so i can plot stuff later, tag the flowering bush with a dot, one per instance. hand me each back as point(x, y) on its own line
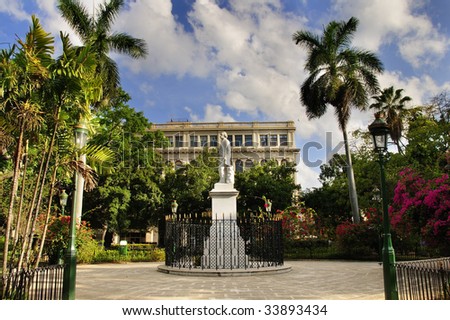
point(361, 240)
point(57, 239)
point(298, 222)
point(421, 208)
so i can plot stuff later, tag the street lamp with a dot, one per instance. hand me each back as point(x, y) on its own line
point(380, 131)
point(376, 195)
point(174, 207)
point(81, 133)
point(269, 206)
point(63, 200)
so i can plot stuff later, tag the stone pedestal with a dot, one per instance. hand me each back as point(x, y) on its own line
point(223, 198)
point(224, 248)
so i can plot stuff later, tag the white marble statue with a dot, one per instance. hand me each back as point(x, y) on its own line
point(226, 170)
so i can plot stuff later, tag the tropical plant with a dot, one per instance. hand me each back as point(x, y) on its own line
point(340, 76)
point(40, 99)
point(392, 104)
point(23, 72)
point(95, 33)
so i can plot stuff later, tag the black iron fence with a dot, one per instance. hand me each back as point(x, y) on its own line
point(224, 243)
point(424, 279)
point(44, 283)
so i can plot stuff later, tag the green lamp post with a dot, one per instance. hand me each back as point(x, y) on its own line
point(69, 278)
point(380, 131)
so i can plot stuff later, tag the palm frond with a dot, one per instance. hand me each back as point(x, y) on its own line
point(124, 43)
point(89, 175)
point(77, 16)
point(107, 13)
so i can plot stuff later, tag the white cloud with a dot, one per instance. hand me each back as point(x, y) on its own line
point(146, 87)
point(399, 22)
point(259, 70)
point(171, 49)
point(308, 177)
point(212, 113)
point(15, 9)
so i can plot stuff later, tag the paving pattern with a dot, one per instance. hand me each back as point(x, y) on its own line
point(308, 280)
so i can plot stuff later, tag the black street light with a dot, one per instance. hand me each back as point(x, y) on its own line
point(380, 132)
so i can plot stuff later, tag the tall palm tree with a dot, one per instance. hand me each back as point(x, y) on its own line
point(95, 31)
point(392, 104)
point(340, 76)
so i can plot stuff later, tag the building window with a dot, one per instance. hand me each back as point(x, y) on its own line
point(248, 164)
point(194, 141)
point(263, 162)
point(263, 140)
point(170, 141)
point(203, 141)
point(178, 141)
point(213, 141)
point(239, 166)
point(283, 140)
point(273, 140)
point(238, 140)
point(249, 140)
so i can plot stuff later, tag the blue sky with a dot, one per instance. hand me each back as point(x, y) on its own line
point(234, 60)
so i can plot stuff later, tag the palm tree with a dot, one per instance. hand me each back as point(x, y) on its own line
point(95, 32)
point(22, 73)
point(392, 104)
point(340, 76)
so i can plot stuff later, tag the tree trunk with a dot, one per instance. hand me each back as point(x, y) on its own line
point(14, 187)
point(351, 180)
point(47, 217)
point(42, 186)
point(27, 230)
point(22, 194)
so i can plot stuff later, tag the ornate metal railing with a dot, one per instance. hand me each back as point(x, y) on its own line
point(424, 279)
point(224, 243)
point(44, 283)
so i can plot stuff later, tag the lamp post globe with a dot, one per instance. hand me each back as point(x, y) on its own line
point(63, 200)
point(174, 208)
point(380, 133)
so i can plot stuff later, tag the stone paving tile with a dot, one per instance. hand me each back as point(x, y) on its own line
point(308, 280)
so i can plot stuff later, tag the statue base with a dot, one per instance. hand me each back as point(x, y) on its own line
point(223, 198)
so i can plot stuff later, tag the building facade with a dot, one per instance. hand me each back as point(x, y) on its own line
point(252, 142)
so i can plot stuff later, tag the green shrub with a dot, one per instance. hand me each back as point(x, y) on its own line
point(87, 251)
point(148, 254)
point(358, 241)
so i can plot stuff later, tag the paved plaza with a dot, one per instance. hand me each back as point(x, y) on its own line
point(308, 280)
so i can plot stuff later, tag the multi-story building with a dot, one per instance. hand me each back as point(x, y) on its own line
point(252, 142)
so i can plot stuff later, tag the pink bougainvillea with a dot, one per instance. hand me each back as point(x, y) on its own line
point(422, 207)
